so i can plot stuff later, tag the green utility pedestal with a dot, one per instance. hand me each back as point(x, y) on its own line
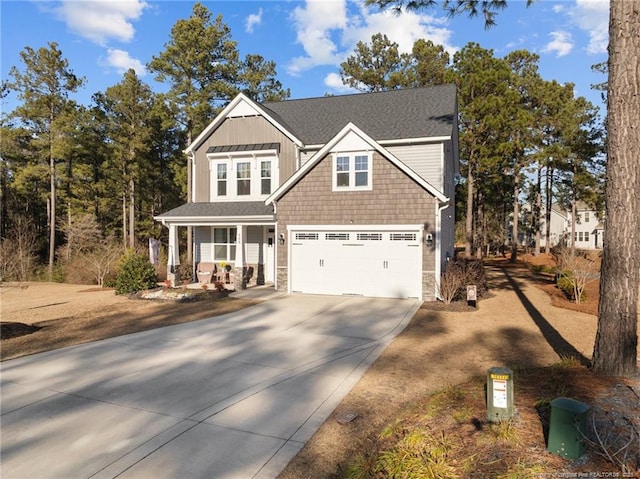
point(567, 427)
point(499, 394)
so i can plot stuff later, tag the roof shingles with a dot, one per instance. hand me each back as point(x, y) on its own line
point(388, 115)
point(229, 209)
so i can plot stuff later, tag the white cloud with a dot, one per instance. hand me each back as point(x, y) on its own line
point(561, 43)
point(315, 23)
point(253, 20)
point(333, 81)
point(402, 29)
point(329, 31)
point(592, 16)
point(122, 62)
point(101, 20)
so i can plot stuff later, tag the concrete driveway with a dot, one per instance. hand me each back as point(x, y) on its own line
point(235, 396)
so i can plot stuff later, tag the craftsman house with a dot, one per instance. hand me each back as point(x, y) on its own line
point(339, 195)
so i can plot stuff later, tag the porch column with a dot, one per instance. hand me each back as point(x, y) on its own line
point(173, 254)
point(239, 263)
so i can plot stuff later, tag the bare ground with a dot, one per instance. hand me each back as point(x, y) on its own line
point(39, 317)
point(518, 327)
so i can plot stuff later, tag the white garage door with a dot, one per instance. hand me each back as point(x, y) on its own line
point(384, 264)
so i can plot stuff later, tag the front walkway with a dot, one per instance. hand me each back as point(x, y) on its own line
point(234, 396)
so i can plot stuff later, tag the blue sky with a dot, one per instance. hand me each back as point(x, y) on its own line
point(307, 39)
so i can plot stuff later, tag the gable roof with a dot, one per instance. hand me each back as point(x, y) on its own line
point(239, 100)
point(320, 154)
point(427, 112)
point(388, 115)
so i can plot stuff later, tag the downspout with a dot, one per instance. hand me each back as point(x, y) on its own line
point(441, 208)
point(275, 245)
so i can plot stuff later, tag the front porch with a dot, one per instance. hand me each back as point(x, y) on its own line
point(233, 243)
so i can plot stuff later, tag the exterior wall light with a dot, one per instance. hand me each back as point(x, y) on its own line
point(428, 239)
point(281, 238)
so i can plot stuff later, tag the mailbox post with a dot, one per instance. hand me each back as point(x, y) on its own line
point(499, 394)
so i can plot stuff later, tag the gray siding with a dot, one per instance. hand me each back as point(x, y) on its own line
point(203, 244)
point(240, 131)
point(425, 159)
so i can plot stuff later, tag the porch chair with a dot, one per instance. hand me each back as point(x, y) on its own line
point(206, 272)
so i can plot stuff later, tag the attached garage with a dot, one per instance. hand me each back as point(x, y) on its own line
point(365, 262)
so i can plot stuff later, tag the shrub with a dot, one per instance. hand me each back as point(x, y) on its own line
point(460, 273)
point(577, 271)
point(135, 273)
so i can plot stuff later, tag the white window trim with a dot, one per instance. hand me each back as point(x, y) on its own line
point(228, 244)
point(232, 161)
point(352, 171)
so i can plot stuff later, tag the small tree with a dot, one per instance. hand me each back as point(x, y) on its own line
point(576, 271)
point(18, 252)
point(102, 259)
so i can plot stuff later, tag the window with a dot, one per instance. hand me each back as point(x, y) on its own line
point(307, 236)
point(352, 172)
point(265, 177)
point(362, 170)
point(224, 244)
point(402, 236)
point(222, 179)
point(369, 236)
point(342, 171)
point(337, 236)
point(243, 175)
point(586, 216)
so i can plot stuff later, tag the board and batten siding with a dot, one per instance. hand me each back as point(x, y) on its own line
point(242, 131)
point(425, 159)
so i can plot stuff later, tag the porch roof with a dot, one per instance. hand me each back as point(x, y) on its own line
point(219, 212)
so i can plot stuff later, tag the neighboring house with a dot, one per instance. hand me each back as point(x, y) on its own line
point(589, 229)
point(557, 228)
point(336, 195)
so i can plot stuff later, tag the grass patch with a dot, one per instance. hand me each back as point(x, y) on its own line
point(447, 435)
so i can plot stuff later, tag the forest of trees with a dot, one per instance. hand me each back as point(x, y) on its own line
point(78, 178)
point(102, 171)
point(522, 138)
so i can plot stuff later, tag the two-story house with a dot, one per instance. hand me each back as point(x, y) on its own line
point(588, 231)
point(335, 195)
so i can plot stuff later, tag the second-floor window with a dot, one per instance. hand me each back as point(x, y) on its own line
point(265, 177)
point(352, 171)
point(222, 179)
point(245, 178)
point(243, 175)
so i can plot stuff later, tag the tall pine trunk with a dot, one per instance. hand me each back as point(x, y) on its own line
point(616, 347)
point(516, 215)
point(52, 207)
point(537, 210)
point(468, 247)
point(548, 206)
point(132, 214)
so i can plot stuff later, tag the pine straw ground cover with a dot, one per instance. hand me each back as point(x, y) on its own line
point(446, 435)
